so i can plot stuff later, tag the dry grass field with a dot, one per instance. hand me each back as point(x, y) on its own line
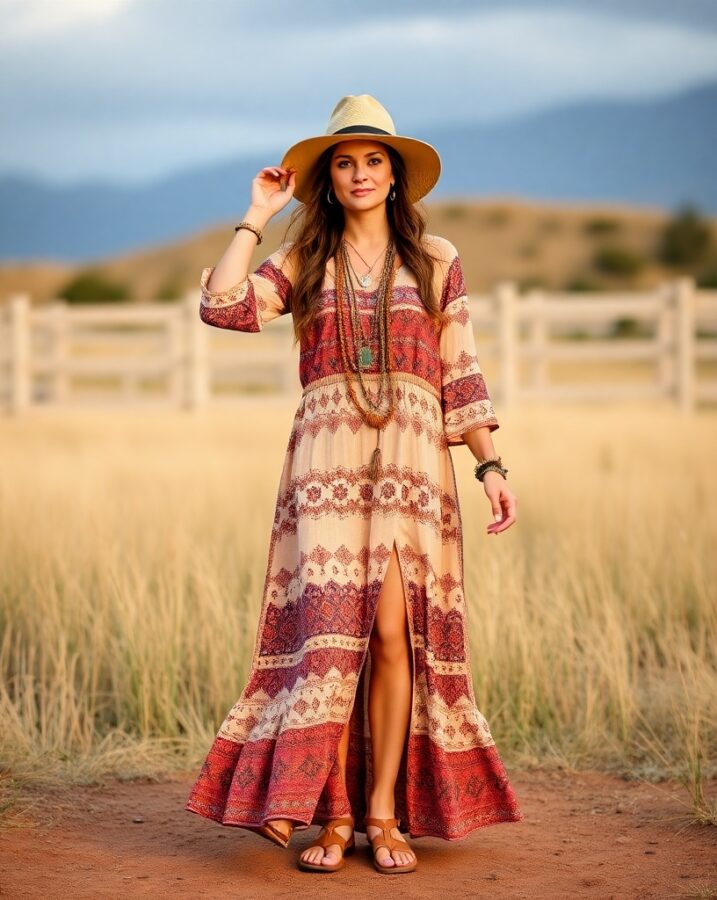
point(133, 547)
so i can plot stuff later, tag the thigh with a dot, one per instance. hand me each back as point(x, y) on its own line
point(391, 623)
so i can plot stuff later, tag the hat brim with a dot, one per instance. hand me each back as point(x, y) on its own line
point(423, 164)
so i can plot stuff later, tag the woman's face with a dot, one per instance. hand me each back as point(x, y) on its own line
point(361, 165)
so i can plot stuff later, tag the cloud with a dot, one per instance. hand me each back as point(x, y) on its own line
point(22, 21)
point(142, 88)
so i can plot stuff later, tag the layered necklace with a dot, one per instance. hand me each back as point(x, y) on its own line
point(356, 350)
point(365, 279)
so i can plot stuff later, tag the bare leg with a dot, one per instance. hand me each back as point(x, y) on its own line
point(389, 704)
point(332, 853)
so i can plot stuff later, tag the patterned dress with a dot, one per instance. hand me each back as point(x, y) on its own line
point(275, 754)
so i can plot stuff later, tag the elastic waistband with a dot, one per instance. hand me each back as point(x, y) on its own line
point(405, 377)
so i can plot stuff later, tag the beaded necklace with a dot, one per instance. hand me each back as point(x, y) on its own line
point(358, 359)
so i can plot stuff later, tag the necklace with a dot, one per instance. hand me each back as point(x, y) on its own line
point(364, 279)
point(364, 353)
point(371, 415)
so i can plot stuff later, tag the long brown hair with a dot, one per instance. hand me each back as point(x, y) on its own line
point(321, 225)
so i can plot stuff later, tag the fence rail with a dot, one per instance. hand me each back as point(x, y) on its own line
point(163, 353)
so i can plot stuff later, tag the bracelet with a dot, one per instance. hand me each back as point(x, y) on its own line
point(250, 227)
point(492, 468)
point(489, 465)
point(486, 465)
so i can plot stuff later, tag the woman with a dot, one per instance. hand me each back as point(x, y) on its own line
point(363, 597)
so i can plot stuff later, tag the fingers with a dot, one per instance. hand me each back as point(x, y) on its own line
point(504, 507)
point(272, 174)
point(275, 171)
point(290, 182)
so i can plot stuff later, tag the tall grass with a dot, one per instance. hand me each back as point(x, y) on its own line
point(133, 548)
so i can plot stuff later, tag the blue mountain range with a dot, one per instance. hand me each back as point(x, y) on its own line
point(657, 152)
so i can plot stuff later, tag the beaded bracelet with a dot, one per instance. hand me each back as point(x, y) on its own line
point(250, 227)
point(489, 465)
point(484, 465)
point(491, 469)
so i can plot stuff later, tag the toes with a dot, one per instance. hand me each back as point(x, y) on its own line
point(327, 855)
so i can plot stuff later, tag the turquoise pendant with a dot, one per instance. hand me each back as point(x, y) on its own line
point(365, 356)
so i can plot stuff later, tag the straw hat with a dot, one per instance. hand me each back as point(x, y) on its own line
point(361, 117)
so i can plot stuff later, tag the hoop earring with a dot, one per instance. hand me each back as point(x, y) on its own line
point(328, 196)
point(392, 194)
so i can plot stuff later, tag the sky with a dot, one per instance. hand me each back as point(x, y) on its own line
point(131, 90)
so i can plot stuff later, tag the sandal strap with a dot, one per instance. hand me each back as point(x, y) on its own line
point(342, 820)
point(381, 823)
point(331, 836)
point(282, 835)
point(386, 839)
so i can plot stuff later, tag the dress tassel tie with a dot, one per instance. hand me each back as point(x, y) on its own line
point(374, 467)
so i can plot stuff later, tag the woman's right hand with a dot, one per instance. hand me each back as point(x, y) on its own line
point(266, 192)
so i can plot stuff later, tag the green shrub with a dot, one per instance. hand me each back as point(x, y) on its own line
point(576, 334)
point(618, 260)
point(707, 276)
point(497, 215)
point(531, 281)
point(455, 211)
point(581, 283)
point(170, 289)
point(626, 328)
point(686, 239)
point(93, 287)
point(601, 225)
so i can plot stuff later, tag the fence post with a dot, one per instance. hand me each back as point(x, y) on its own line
point(197, 374)
point(685, 343)
point(666, 336)
point(506, 298)
point(19, 333)
point(58, 326)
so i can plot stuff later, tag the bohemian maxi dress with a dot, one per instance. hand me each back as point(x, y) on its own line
point(275, 754)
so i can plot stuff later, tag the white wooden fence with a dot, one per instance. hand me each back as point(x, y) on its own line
point(163, 353)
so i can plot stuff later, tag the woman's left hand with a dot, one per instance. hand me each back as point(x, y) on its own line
point(503, 502)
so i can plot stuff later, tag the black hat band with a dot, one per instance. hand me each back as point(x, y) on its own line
point(349, 129)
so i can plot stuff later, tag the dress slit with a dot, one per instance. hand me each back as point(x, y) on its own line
point(359, 767)
point(359, 775)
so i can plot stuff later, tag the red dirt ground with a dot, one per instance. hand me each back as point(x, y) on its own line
point(584, 835)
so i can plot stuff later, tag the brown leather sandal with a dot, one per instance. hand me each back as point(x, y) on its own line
point(275, 835)
point(331, 836)
point(386, 839)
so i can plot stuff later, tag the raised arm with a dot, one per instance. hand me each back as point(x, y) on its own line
point(254, 300)
point(231, 296)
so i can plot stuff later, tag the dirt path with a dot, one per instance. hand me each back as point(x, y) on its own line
point(584, 835)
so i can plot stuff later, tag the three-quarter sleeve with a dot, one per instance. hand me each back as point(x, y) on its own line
point(248, 305)
point(465, 401)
